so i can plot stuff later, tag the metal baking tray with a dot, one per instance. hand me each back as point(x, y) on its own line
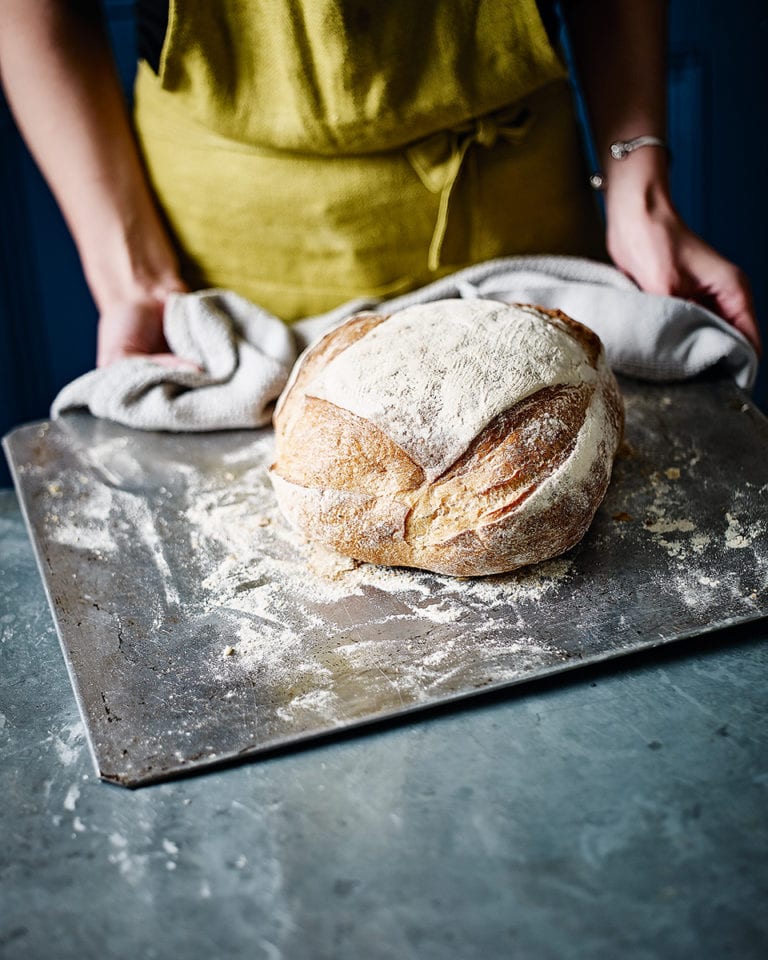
point(197, 628)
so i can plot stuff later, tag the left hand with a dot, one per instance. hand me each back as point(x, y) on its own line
point(133, 327)
point(652, 245)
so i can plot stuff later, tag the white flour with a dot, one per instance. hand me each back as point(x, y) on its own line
point(433, 404)
point(307, 628)
point(678, 535)
point(697, 568)
point(308, 618)
point(740, 534)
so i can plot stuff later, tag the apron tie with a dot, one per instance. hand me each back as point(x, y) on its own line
point(438, 159)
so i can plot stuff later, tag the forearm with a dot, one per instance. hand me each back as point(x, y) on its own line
point(60, 81)
point(620, 51)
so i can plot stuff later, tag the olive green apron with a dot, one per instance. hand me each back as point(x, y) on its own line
point(308, 152)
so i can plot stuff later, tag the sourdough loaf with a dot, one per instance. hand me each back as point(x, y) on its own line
point(465, 437)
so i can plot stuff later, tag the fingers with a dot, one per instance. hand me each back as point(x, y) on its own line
point(724, 288)
point(734, 303)
point(171, 361)
point(134, 328)
point(665, 257)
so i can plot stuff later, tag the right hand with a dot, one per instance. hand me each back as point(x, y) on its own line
point(134, 328)
point(664, 256)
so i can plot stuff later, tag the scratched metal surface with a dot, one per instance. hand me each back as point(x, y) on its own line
point(197, 629)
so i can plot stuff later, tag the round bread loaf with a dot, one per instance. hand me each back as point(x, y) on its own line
point(465, 437)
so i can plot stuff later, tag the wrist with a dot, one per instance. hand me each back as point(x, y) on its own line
point(639, 183)
point(134, 262)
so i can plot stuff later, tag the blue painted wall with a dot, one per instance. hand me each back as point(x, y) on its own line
point(718, 84)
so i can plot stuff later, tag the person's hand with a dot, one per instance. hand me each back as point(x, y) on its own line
point(135, 328)
point(652, 245)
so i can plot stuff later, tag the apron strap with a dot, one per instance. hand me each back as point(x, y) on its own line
point(438, 159)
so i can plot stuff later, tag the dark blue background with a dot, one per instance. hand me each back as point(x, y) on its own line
point(717, 94)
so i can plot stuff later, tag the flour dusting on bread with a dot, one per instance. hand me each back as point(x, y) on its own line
point(436, 374)
point(463, 437)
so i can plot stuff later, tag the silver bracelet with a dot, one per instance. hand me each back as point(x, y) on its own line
point(621, 149)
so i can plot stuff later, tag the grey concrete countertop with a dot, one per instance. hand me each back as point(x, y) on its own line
point(614, 812)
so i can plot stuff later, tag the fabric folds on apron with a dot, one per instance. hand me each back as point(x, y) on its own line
point(439, 158)
point(321, 203)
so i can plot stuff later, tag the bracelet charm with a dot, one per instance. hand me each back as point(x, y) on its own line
point(621, 149)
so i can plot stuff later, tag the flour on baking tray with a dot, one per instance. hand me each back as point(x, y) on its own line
point(311, 616)
point(668, 522)
point(318, 573)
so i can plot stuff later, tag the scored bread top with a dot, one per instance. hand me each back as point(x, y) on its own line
point(523, 487)
point(435, 375)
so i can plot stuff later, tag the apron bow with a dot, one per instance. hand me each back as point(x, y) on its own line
point(438, 158)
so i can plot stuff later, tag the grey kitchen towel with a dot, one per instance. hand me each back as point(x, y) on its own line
point(245, 354)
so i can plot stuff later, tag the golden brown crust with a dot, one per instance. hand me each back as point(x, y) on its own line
point(319, 355)
point(334, 449)
point(504, 464)
point(587, 339)
point(506, 502)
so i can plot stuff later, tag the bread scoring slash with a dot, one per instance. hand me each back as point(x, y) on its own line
point(466, 437)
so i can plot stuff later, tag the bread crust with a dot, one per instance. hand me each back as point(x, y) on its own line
point(525, 490)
